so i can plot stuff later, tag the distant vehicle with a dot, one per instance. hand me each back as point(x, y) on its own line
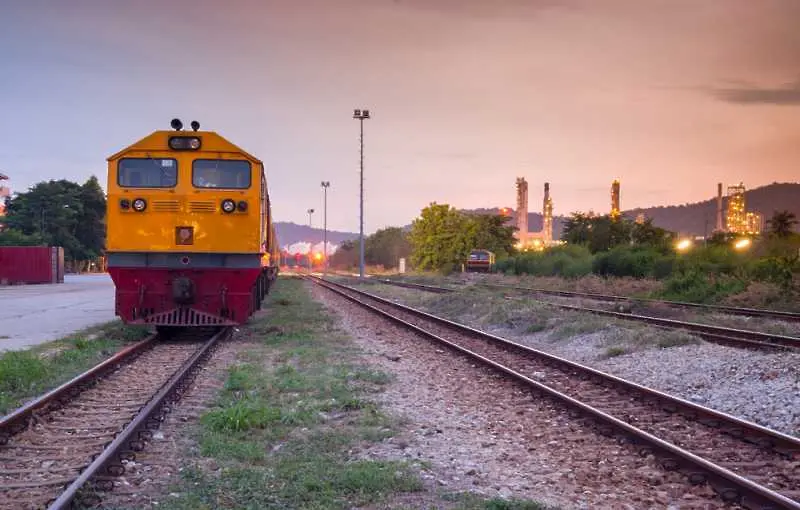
point(480, 261)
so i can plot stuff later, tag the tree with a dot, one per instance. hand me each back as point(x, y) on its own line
point(577, 229)
point(62, 213)
point(442, 237)
point(10, 237)
point(647, 234)
point(490, 232)
point(782, 223)
point(386, 246)
point(436, 237)
point(345, 256)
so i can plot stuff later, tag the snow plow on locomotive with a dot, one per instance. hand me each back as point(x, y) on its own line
point(190, 236)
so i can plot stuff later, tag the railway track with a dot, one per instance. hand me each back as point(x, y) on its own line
point(731, 310)
point(718, 334)
point(745, 463)
point(62, 447)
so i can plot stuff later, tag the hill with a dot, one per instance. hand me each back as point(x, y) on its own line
point(700, 217)
point(290, 233)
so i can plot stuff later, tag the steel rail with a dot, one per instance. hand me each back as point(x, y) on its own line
point(18, 420)
point(419, 286)
point(729, 485)
point(732, 310)
point(139, 429)
point(718, 334)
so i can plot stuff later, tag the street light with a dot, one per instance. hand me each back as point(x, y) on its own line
point(683, 245)
point(361, 115)
point(310, 243)
point(742, 244)
point(325, 185)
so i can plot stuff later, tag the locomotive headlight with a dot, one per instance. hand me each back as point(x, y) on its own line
point(228, 205)
point(184, 143)
point(242, 205)
point(139, 205)
point(124, 204)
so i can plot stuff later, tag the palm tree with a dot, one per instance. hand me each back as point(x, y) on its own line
point(782, 223)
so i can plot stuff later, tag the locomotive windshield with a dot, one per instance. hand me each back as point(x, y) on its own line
point(221, 173)
point(147, 173)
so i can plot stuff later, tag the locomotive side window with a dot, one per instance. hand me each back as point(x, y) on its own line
point(221, 173)
point(147, 173)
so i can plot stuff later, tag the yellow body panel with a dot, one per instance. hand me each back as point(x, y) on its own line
point(184, 205)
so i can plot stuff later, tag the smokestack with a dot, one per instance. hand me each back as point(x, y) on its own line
point(719, 228)
point(522, 210)
point(615, 212)
point(547, 215)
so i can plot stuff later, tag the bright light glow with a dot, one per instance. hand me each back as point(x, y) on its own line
point(683, 244)
point(742, 244)
point(318, 256)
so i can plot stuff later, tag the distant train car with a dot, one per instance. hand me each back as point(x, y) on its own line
point(480, 261)
point(190, 235)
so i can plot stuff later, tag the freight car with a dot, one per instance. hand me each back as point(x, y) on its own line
point(190, 235)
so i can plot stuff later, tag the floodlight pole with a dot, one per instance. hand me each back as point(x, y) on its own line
point(325, 185)
point(310, 243)
point(361, 115)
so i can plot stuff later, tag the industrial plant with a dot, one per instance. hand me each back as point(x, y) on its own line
point(525, 238)
point(737, 218)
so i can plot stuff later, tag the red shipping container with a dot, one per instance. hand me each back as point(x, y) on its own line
point(31, 264)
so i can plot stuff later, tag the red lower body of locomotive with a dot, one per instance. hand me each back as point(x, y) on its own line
point(170, 297)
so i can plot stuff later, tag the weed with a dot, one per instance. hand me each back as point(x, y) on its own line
point(579, 325)
point(616, 351)
point(536, 327)
point(24, 374)
point(242, 415)
point(675, 339)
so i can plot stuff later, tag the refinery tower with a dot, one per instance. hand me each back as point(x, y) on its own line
point(526, 239)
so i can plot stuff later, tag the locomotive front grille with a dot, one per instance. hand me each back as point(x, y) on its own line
point(201, 207)
point(166, 205)
point(183, 316)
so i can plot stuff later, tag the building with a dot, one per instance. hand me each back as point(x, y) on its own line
point(736, 217)
point(755, 223)
point(5, 192)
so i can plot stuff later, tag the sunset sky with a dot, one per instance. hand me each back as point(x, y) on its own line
point(670, 97)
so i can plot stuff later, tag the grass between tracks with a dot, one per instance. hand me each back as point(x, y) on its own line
point(29, 373)
point(291, 425)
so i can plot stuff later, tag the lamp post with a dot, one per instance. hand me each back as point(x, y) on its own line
point(310, 243)
point(325, 185)
point(361, 115)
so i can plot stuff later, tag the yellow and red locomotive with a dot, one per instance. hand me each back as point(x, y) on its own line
point(190, 235)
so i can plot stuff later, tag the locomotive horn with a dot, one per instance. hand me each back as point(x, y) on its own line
point(195, 125)
point(176, 124)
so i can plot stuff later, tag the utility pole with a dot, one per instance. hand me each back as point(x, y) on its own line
point(361, 115)
point(310, 243)
point(325, 185)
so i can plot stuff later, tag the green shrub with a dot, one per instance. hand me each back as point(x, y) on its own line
point(699, 287)
point(242, 415)
point(569, 261)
